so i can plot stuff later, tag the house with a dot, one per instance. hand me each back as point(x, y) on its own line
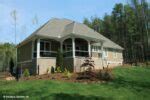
point(76, 40)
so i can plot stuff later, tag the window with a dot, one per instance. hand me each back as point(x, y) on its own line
point(96, 48)
point(99, 55)
point(105, 52)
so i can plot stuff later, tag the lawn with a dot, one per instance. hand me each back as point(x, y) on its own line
point(129, 83)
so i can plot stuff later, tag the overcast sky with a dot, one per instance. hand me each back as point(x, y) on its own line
point(44, 10)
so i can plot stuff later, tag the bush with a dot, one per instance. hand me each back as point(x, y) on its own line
point(47, 71)
point(11, 66)
point(59, 59)
point(58, 70)
point(105, 74)
point(52, 70)
point(88, 62)
point(26, 73)
point(67, 73)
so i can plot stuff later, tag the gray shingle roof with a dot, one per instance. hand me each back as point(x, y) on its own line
point(62, 27)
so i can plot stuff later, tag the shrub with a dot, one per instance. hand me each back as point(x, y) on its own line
point(58, 70)
point(59, 58)
point(52, 70)
point(105, 74)
point(67, 73)
point(88, 62)
point(26, 73)
point(11, 66)
point(47, 71)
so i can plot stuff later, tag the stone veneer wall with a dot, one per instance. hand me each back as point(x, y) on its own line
point(109, 61)
point(44, 64)
point(78, 61)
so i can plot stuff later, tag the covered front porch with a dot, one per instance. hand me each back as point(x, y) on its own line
point(74, 50)
point(70, 47)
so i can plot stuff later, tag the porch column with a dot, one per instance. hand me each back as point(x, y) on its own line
point(89, 48)
point(102, 50)
point(73, 47)
point(38, 49)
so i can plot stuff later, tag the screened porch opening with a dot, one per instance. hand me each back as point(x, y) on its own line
point(67, 48)
point(81, 48)
point(48, 48)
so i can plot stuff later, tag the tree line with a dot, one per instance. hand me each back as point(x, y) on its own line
point(129, 26)
point(7, 56)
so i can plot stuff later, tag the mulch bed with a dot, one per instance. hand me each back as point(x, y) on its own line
point(76, 78)
point(82, 77)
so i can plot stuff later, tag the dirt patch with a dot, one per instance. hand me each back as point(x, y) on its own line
point(6, 76)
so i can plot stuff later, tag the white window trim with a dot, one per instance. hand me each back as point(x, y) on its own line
point(96, 49)
point(105, 53)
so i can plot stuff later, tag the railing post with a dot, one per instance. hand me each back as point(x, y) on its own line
point(89, 48)
point(38, 48)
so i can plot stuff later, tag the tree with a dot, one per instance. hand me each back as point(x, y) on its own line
point(11, 66)
point(59, 59)
point(96, 23)
point(87, 22)
point(7, 52)
point(128, 26)
point(107, 27)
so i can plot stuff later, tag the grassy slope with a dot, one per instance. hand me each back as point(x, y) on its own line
point(129, 83)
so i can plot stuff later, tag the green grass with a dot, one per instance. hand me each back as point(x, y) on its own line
point(129, 84)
